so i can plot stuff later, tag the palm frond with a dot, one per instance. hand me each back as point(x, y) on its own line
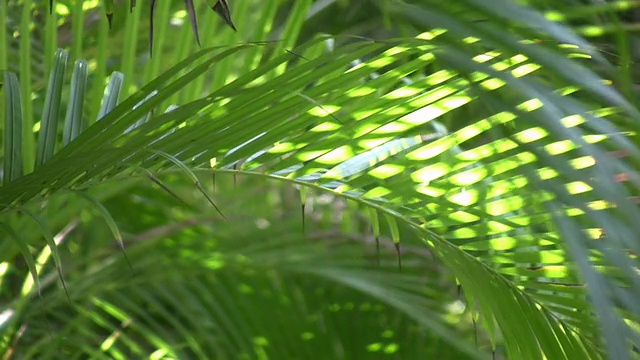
point(488, 143)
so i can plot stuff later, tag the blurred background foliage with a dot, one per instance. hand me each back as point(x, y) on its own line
point(335, 179)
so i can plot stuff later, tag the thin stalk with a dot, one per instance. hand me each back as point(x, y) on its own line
point(50, 39)
point(77, 27)
point(28, 139)
point(129, 54)
point(100, 73)
point(4, 48)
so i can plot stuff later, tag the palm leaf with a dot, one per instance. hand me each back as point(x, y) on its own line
point(492, 150)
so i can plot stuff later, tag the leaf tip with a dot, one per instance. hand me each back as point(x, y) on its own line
point(110, 19)
point(302, 209)
point(222, 9)
point(397, 245)
point(378, 250)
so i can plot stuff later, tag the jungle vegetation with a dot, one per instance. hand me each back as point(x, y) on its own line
point(329, 179)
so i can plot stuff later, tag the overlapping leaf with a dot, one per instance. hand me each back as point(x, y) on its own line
point(494, 149)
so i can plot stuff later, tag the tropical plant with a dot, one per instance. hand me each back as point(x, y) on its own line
point(458, 183)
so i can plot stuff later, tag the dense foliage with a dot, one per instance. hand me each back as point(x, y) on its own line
point(319, 179)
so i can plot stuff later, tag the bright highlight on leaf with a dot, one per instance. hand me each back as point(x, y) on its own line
point(578, 187)
point(464, 197)
point(361, 91)
point(336, 156)
point(504, 206)
point(326, 110)
point(469, 177)
point(430, 35)
point(386, 171)
point(524, 70)
point(531, 135)
point(427, 174)
point(463, 217)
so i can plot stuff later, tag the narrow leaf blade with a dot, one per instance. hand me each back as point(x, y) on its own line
point(13, 128)
point(49, 123)
point(73, 122)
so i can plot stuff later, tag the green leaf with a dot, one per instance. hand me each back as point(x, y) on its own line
point(52, 244)
point(48, 134)
point(26, 255)
point(500, 143)
point(111, 94)
point(222, 9)
point(189, 172)
point(12, 128)
point(73, 124)
point(110, 222)
point(191, 12)
point(108, 6)
point(395, 236)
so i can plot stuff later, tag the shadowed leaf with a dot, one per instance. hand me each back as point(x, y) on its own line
point(12, 129)
point(189, 172)
point(222, 9)
point(26, 254)
point(303, 204)
point(49, 124)
point(53, 247)
point(73, 124)
point(191, 12)
point(108, 8)
point(106, 215)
